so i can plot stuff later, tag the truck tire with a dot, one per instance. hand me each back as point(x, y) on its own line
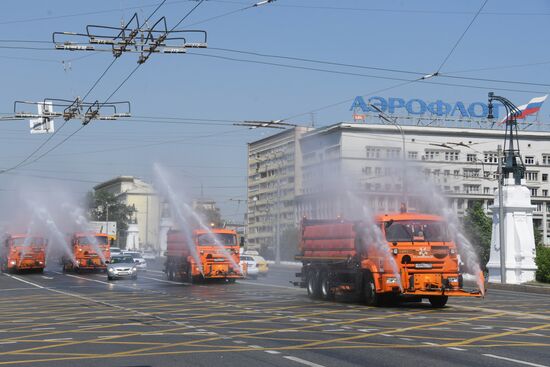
point(326, 292)
point(438, 301)
point(313, 285)
point(370, 297)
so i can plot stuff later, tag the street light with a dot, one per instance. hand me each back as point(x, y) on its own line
point(393, 121)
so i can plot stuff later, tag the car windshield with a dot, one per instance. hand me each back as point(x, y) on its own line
point(417, 231)
point(135, 255)
point(122, 260)
point(92, 240)
point(28, 241)
point(226, 239)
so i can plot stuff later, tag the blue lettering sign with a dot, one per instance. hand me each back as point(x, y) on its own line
point(420, 110)
point(419, 107)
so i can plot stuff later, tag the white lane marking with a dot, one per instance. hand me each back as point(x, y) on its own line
point(272, 352)
point(535, 334)
point(57, 340)
point(455, 348)
point(482, 327)
point(14, 289)
point(406, 339)
point(366, 330)
point(42, 328)
point(515, 360)
point(255, 346)
point(388, 335)
point(24, 281)
point(333, 330)
point(428, 343)
point(269, 285)
point(165, 281)
point(303, 361)
point(238, 342)
point(89, 279)
point(520, 315)
point(45, 277)
point(8, 342)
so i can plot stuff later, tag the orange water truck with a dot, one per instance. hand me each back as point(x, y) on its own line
point(397, 256)
point(90, 252)
point(22, 252)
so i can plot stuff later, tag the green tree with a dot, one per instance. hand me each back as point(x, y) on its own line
point(478, 227)
point(102, 202)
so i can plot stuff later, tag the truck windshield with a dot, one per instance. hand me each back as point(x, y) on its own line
point(417, 231)
point(26, 241)
point(92, 240)
point(226, 239)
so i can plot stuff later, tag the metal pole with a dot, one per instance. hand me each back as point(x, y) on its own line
point(501, 239)
point(278, 219)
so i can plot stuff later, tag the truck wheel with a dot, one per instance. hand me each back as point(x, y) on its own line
point(326, 292)
point(438, 301)
point(371, 298)
point(313, 286)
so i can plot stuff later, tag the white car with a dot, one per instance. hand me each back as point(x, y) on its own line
point(252, 270)
point(115, 250)
point(149, 255)
point(141, 263)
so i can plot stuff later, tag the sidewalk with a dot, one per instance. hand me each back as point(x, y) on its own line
point(538, 288)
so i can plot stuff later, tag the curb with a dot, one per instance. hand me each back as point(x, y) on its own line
point(519, 288)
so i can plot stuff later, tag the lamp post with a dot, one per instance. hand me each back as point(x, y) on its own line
point(393, 121)
point(512, 163)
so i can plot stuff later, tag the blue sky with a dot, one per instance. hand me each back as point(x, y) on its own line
point(508, 41)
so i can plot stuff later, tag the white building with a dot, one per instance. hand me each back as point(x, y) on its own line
point(274, 180)
point(365, 160)
point(140, 194)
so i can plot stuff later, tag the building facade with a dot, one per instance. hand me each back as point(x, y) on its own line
point(345, 164)
point(274, 181)
point(135, 192)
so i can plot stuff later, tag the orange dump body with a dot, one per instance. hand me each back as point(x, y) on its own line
point(406, 253)
point(90, 251)
point(196, 255)
point(23, 252)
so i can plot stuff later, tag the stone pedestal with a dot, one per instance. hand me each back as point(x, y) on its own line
point(519, 238)
point(132, 237)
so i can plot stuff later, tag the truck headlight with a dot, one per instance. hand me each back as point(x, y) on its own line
point(391, 280)
point(395, 251)
point(13, 262)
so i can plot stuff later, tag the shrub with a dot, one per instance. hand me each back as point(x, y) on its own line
point(543, 263)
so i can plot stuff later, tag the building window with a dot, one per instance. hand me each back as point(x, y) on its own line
point(367, 170)
point(471, 189)
point(532, 176)
point(451, 156)
point(373, 152)
point(545, 193)
point(471, 172)
point(486, 190)
point(456, 189)
point(368, 186)
point(456, 173)
point(446, 173)
point(529, 159)
point(378, 171)
point(546, 159)
point(447, 188)
point(545, 177)
point(490, 157)
point(413, 155)
point(534, 191)
point(392, 153)
point(471, 157)
point(436, 172)
point(432, 155)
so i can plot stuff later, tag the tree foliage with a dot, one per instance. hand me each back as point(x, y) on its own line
point(478, 227)
point(101, 202)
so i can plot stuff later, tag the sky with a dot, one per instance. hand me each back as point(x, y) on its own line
point(184, 105)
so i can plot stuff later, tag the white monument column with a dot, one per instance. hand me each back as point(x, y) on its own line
point(132, 234)
point(519, 239)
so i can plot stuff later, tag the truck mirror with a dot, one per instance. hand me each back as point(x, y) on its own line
point(241, 244)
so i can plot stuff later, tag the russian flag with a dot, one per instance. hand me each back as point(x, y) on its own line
point(531, 108)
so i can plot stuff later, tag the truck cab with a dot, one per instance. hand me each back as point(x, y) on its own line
point(91, 251)
point(21, 252)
